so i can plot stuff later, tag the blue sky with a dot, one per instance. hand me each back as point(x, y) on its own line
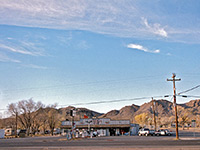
point(68, 52)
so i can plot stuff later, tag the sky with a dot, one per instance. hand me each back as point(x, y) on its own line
point(76, 51)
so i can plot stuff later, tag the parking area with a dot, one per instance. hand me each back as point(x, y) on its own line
point(187, 141)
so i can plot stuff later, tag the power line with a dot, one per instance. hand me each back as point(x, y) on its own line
point(112, 101)
point(78, 84)
point(189, 89)
point(195, 96)
point(44, 94)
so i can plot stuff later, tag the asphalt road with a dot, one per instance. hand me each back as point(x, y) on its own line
point(187, 142)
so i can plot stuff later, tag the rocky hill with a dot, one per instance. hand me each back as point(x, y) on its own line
point(80, 113)
point(164, 111)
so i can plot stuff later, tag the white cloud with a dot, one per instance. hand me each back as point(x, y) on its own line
point(21, 48)
point(109, 17)
point(34, 66)
point(16, 50)
point(5, 58)
point(141, 48)
point(155, 28)
point(114, 17)
point(83, 45)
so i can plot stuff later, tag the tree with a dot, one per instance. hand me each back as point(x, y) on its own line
point(14, 110)
point(1, 125)
point(142, 119)
point(27, 112)
point(183, 120)
point(43, 119)
point(53, 117)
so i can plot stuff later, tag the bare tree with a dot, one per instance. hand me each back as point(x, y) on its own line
point(1, 125)
point(42, 119)
point(52, 117)
point(27, 112)
point(14, 110)
point(44, 122)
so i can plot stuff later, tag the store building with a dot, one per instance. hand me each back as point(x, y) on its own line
point(104, 126)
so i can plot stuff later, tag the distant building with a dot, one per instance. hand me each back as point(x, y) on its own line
point(105, 126)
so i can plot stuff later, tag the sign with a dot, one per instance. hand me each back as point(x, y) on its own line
point(72, 112)
point(102, 121)
point(193, 123)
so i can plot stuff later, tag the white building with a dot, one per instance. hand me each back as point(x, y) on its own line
point(104, 126)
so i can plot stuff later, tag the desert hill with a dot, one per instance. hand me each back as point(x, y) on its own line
point(80, 113)
point(164, 111)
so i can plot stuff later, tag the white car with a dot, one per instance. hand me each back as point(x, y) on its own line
point(163, 132)
point(146, 132)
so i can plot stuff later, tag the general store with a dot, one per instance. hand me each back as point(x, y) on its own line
point(104, 126)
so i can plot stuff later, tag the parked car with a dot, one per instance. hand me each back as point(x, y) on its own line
point(47, 132)
point(163, 132)
point(168, 132)
point(146, 132)
point(22, 133)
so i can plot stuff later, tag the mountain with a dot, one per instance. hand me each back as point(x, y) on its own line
point(80, 113)
point(164, 111)
point(192, 104)
point(110, 114)
point(126, 112)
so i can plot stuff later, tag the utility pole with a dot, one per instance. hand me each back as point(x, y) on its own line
point(72, 130)
point(72, 114)
point(175, 106)
point(16, 124)
point(154, 114)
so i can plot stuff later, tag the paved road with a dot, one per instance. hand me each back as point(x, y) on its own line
point(188, 133)
point(120, 142)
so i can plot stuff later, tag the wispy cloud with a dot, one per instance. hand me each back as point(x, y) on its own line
point(34, 66)
point(5, 58)
point(2, 46)
point(141, 48)
point(21, 46)
point(155, 28)
point(83, 45)
point(15, 48)
point(107, 17)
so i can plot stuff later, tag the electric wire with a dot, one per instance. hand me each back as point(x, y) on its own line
point(110, 101)
point(189, 90)
point(80, 84)
point(195, 96)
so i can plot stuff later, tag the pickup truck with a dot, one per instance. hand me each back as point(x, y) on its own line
point(146, 132)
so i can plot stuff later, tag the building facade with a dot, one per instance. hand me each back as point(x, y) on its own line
point(104, 126)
